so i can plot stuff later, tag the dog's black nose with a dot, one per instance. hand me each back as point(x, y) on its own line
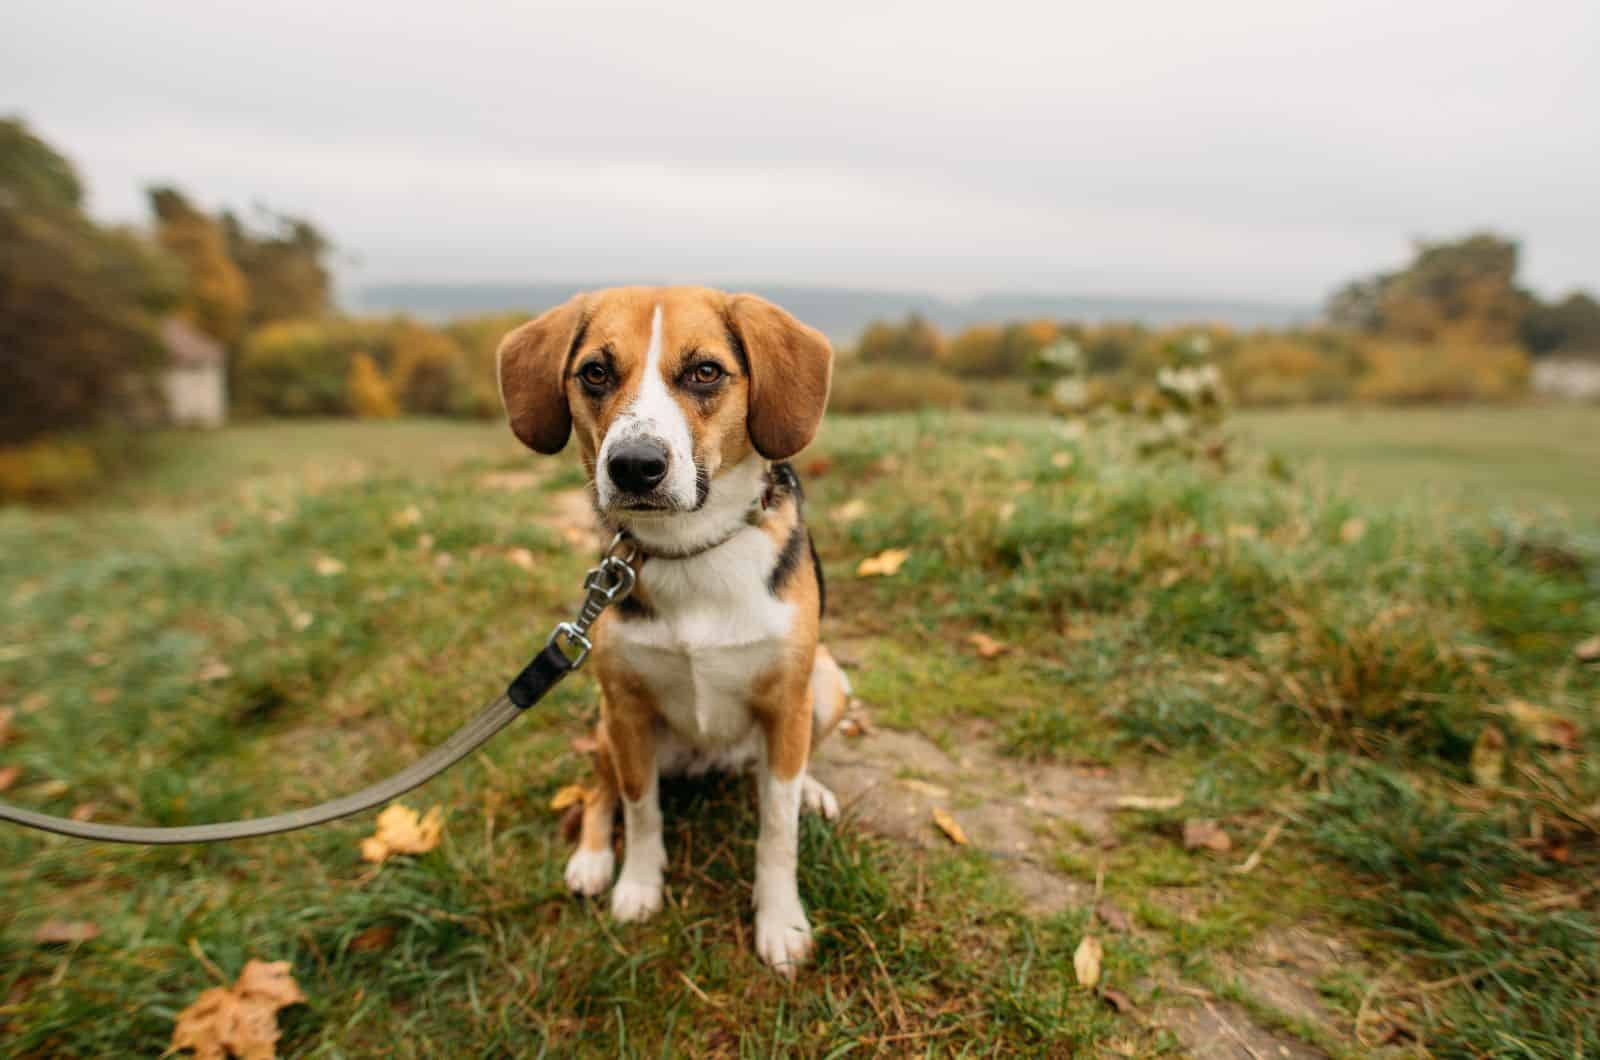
point(637, 467)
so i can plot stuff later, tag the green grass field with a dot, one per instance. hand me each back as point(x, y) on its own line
point(1364, 674)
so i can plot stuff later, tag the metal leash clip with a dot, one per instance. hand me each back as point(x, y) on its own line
point(603, 586)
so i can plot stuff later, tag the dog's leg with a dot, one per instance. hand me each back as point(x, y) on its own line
point(830, 694)
point(783, 934)
point(592, 865)
point(637, 894)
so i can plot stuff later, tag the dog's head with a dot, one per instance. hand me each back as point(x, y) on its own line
point(666, 388)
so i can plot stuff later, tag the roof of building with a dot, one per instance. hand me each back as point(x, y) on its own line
point(189, 347)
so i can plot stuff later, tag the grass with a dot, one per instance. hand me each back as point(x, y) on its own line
point(1286, 654)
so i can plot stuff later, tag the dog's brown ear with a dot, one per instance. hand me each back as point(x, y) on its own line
point(532, 363)
point(791, 366)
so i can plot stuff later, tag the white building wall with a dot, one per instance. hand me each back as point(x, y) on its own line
point(197, 397)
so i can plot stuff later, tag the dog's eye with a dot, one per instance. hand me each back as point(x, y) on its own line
point(594, 374)
point(706, 373)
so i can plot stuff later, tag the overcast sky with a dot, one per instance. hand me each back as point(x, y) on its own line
point(1247, 148)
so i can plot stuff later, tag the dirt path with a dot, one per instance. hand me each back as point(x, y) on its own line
point(1021, 815)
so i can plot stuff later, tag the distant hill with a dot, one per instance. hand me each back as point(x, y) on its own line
point(842, 313)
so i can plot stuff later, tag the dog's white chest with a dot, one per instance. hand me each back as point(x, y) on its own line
point(716, 629)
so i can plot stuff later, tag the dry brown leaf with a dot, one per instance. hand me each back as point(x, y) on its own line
point(585, 744)
point(922, 787)
point(1170, 577)
point(63, 932)
point(949, 827)
point(84, 811)
point(380, 937)
point(818, 466)
point(1352, 530)
point(401, 832)
point(987, 646)
point(408, 516)
point(883, 564)
point(7, 732)
point(571, 795)
point(1589, 650)
point(241, 1020)
point(1545, 726)
point(1205, 833)
point(1488, 761)
point(1062, 458)
point(327, 566)
point(1148, 802)
point(850, 510)
point(1086, 960)
point(8, 776)
point(1112, 916)
point(520, 557)
point(852, 728)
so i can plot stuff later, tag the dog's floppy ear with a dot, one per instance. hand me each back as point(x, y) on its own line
point(790, 368)
point(532, 365)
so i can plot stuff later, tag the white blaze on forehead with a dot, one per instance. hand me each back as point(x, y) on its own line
point(654, 416)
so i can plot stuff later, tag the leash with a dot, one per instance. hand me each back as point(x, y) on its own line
point(565, 651)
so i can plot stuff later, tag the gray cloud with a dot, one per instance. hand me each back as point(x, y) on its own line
point(1233, 148)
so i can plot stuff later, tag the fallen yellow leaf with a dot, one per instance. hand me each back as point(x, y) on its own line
point(520, 557)
point(987, 646)
point(241, 1020)
point(327, 566)
point(1352, 531)
point(1061, 458)
point(850, 510)
point(1589, 650)
point(571, 795)
point(7, 733)
point(8, 776)
point(1086, 960)
point(883, 564)
point(949, 827)
point(1148, 802)
point(1488, 761)
point(400, 832)
point(1545, 726)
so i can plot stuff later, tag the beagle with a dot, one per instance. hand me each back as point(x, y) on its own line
point(685, 402)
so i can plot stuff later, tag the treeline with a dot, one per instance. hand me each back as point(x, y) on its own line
point(1453, 325)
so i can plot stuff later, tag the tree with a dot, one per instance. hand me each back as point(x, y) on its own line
point(282, 265)
point(1463, 290)
point(218, 299)
point(368, 391)
point(914, 342)
point(79, 304)
point(1571, 325)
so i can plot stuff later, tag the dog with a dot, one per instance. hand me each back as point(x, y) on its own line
point(686, 403)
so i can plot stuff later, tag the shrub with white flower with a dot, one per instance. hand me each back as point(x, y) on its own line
point(1191, 403)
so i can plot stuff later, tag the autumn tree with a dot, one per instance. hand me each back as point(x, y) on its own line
point(1465, 290)
point(283, 265)
point(915, 341)
point(218, 297)
point(1570, 326)
point(79, 304)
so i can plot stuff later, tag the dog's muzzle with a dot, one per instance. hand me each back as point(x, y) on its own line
point(636, 468)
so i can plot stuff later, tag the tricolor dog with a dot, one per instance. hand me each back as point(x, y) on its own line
point(685, 402)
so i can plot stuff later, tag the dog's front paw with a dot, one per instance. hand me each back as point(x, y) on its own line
point(589, 871)
point(635, 899)
point(816, 798)
point(783, 935)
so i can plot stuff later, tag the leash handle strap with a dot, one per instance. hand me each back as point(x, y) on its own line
point(604, 585)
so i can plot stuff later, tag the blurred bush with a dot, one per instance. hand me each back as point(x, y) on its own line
point(367, 391)
point(914, 342)
point(1288, 368)
point(46, 469)
point(1451, 370)
point(887, 388)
